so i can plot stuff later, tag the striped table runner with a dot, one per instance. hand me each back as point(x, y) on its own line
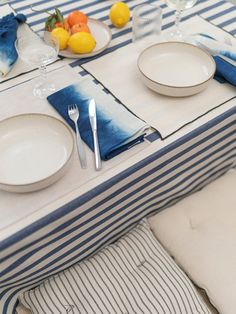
point(87, 222)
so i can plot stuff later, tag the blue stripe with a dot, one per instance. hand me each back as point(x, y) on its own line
point(90, 14)
point(226, 23)
point(153, 136)
point(215, 16)
point(64, 210)
point(137, 218)
point(122, 209)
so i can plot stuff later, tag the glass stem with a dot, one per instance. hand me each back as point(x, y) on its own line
point(178, 15)
point(43, 72)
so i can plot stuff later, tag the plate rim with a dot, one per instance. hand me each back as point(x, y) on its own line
point(58, 170)
point(178, 43)
point(91, 54)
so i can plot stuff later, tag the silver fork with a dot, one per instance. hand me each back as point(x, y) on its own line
point(73, 113)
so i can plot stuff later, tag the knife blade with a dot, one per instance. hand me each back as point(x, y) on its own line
point(92, 114)
point(93, 123)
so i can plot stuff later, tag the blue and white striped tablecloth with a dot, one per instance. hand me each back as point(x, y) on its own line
point(87, 222)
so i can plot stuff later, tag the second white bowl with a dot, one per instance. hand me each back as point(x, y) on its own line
point(176, 69)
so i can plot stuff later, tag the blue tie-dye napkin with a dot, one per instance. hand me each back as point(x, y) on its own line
point(8, 34)
point(225, 71)
point(118, 128)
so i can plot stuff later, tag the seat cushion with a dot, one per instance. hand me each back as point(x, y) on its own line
point(200, 233)
point(133, 275)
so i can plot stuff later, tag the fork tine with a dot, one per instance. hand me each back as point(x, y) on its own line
point(71, 108)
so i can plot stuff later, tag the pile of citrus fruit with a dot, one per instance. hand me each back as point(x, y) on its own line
point(72, 32)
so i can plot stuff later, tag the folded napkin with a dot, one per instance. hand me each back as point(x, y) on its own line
point(225, 70)
point(118, 128)
point(8, 34)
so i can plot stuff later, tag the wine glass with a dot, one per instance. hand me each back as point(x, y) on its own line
point(39, 52)
point(179, 6)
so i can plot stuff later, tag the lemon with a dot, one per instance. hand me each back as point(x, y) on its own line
point(61, 35)
point(119, 14)
point(82, 42)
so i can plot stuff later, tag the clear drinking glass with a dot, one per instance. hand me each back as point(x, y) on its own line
point(179, 6)
point(146, 25)
point(39, 52)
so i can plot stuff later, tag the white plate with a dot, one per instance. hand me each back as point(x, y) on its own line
point(35, 152)
point(102, 34)
point(176, 69)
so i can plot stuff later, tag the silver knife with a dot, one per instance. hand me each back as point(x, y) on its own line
point(93, 123)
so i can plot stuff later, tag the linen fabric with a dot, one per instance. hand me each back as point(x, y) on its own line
point(118, 129)
point(199, 232)
point(133, 275)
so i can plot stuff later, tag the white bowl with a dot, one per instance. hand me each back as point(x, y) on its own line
point(35, 152)
point(176, 69)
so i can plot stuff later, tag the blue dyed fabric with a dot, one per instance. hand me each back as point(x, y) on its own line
point(118, 128)
point(225, 71)
point(8, 34)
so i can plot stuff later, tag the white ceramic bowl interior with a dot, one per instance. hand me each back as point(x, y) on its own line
point(176, 69)
point(35, 152)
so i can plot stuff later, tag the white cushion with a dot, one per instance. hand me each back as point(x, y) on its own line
point(134, 275)
point(200, 233)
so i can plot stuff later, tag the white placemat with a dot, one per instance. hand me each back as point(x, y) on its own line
point(118, 72)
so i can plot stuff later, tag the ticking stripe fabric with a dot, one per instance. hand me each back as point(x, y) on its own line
point(85, 224)
point(134, 275)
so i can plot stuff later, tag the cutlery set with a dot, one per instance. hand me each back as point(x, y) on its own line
point(73, 113)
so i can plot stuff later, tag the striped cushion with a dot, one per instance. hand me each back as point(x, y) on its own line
point(133, 275)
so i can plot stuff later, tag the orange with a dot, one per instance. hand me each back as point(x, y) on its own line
point(81, 27)
point(77, 17)
point(64, 25)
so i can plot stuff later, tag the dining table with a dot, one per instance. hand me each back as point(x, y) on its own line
point(46, 231)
